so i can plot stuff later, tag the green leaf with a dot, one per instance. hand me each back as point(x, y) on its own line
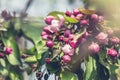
point(16, 75)
point(3, 63)
point(32, 31)
point(2, 28)
point(14, 58)
point(66, 75)
point(31, 51)
point(55, 13)
point(41, 48)
point(71, 20)
point(31, 59)
point(91, 69)
point(4, 70)
point(53, 67)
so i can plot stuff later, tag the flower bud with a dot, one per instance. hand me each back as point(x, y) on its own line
point(84, 22)
point(71, 36)
point(67, 33)
point(100, 19)
point(115, 40)
point(79, 16)
point(112, 52)
point(73, 44)
point(49, 43)
point(49, 19)
point(71, 53)
point(102, 38)
point(72, 16)
point(2, 55)
point(94, 17)
point(76, 12)
point(8, 50)
point(66, 40)
point(45, 36)
point(67, 13)
point(43, 33)
point(110, 32)
point(66, 58)
point(24, 56)
point(47, 60)
point(61, 38)
point(47, 29)
point(94, 48)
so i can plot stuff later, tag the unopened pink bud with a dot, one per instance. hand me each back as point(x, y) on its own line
point(71, 36)
point(84, 22)
point(73, 44)
point(47, 60)
point(66, 58)
point(79, 16)
point(49, 19)
point(115, 40)
point(8, 50)
point(94, 17)
point(112, 52)
point(100, 18)
point(2, 55)
point(49, 43)
point(76, 12)
point(67, 13)
point(102, 38)
point(67, 33)
point(94, 48)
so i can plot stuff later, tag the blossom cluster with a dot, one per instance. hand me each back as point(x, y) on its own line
point(68, 36)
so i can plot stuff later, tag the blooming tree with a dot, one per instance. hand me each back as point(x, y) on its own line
point(66, 41)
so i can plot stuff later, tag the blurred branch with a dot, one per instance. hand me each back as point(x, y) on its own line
point(23, 12)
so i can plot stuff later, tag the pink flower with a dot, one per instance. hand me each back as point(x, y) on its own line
point(47, 60)
point(84, 22)
point(66, 58)
point(94, 48)
point(61, 38)
point(110, 32)
point(62, 20)
point(8, 50)
point(49, 19)
point(67, 49)
point(73, 44)
point(67, 33)
point(79, 16)
point(71, 36)
point(55, 23)
point(102, 38)
point(100, 19)
point(94, 17)
point(47, 29)
point(43, 33)
point(49, 43)
point(67, 13)
point(112, 52)
point(76, 12)
point(115, 40)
